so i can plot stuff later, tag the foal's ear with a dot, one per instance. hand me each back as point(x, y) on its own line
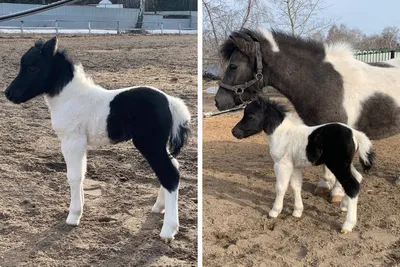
point(50, 47)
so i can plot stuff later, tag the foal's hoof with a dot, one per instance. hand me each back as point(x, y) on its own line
point(345, 231)
point(169, 232)
point(336, 199)
point(273, 213)
point(297, 213)
point(73, 219)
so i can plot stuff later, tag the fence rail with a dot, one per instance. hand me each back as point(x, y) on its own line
point(376, 55)
point(92, 26)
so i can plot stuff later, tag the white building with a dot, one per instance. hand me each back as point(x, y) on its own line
point(108, 4)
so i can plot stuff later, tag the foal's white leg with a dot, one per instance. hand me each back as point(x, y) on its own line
point(74, 152)
point(296, 182)
point(327, 182)
point(344, 204)
point(283, 172)
point(171, 220)
point(351, 216)
point(337, 193)
point(159, 206)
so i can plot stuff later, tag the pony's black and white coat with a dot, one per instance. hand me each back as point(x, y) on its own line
point(324, 82)
point(83, 113)
point(294, 145)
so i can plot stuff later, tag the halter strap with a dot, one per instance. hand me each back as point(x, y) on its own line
point(258, 77)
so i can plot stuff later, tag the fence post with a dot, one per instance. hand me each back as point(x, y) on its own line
point(392, 53)
point(90, 31)
point(56, 27)
point(118, 31)
point(22, 26)
point(162, 28)
point(179, 29)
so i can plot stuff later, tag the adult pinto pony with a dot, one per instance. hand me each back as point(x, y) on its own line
point(324, 82)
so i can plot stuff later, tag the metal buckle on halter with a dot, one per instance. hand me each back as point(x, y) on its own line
point(259, 76)
point(239, 90)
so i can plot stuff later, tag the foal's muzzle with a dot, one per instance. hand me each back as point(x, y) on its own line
point(236, 132)
point(10, 95)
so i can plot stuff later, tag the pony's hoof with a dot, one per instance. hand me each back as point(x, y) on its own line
point(73, 219)
point(168, 232)
point(157, 209)
point(336, 199)
point(297, 213)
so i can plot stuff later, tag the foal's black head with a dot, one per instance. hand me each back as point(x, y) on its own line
point(43, 70)
point(260, 115)
point(239, 51)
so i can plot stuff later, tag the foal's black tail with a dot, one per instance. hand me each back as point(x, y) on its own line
point(180, 125)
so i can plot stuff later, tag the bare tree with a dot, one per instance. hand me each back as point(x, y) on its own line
point(390, 37)
point(302, 17)
point(342, 33)
point(221, 17)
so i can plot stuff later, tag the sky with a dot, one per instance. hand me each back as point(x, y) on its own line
point(370, 16)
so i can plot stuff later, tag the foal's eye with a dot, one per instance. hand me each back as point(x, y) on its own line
point(33, 69)
point(232, 67)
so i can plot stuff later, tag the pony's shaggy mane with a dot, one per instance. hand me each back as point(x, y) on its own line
point(284, 41)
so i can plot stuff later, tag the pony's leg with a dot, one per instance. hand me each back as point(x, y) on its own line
point(351, 216)
point(74, 152)
point(156, 154)
point(159, 206)
point(296, 182)
point(283, 172)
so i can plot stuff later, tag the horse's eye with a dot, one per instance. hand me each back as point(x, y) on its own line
point(232, 67)
point(33, 69)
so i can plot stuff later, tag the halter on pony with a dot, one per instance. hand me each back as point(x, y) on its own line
point(258, 77)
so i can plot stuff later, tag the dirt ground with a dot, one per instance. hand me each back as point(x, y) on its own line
point(117, 228)
point(238, 192)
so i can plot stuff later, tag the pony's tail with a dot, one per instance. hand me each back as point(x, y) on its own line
point(367, 156)
point(180, 125)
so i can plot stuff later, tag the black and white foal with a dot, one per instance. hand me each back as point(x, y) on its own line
point(83, 113)
point(294, 145)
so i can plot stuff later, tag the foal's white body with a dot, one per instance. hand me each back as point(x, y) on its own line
point(79, 118)
point(288, 150)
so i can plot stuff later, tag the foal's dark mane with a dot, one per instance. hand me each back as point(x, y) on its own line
point(284, 40)
point(281, 109)
point(62, 69)
point(61, 54)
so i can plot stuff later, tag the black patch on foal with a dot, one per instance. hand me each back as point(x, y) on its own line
point(143, 115)
point(379, 117)
point(333, 145)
